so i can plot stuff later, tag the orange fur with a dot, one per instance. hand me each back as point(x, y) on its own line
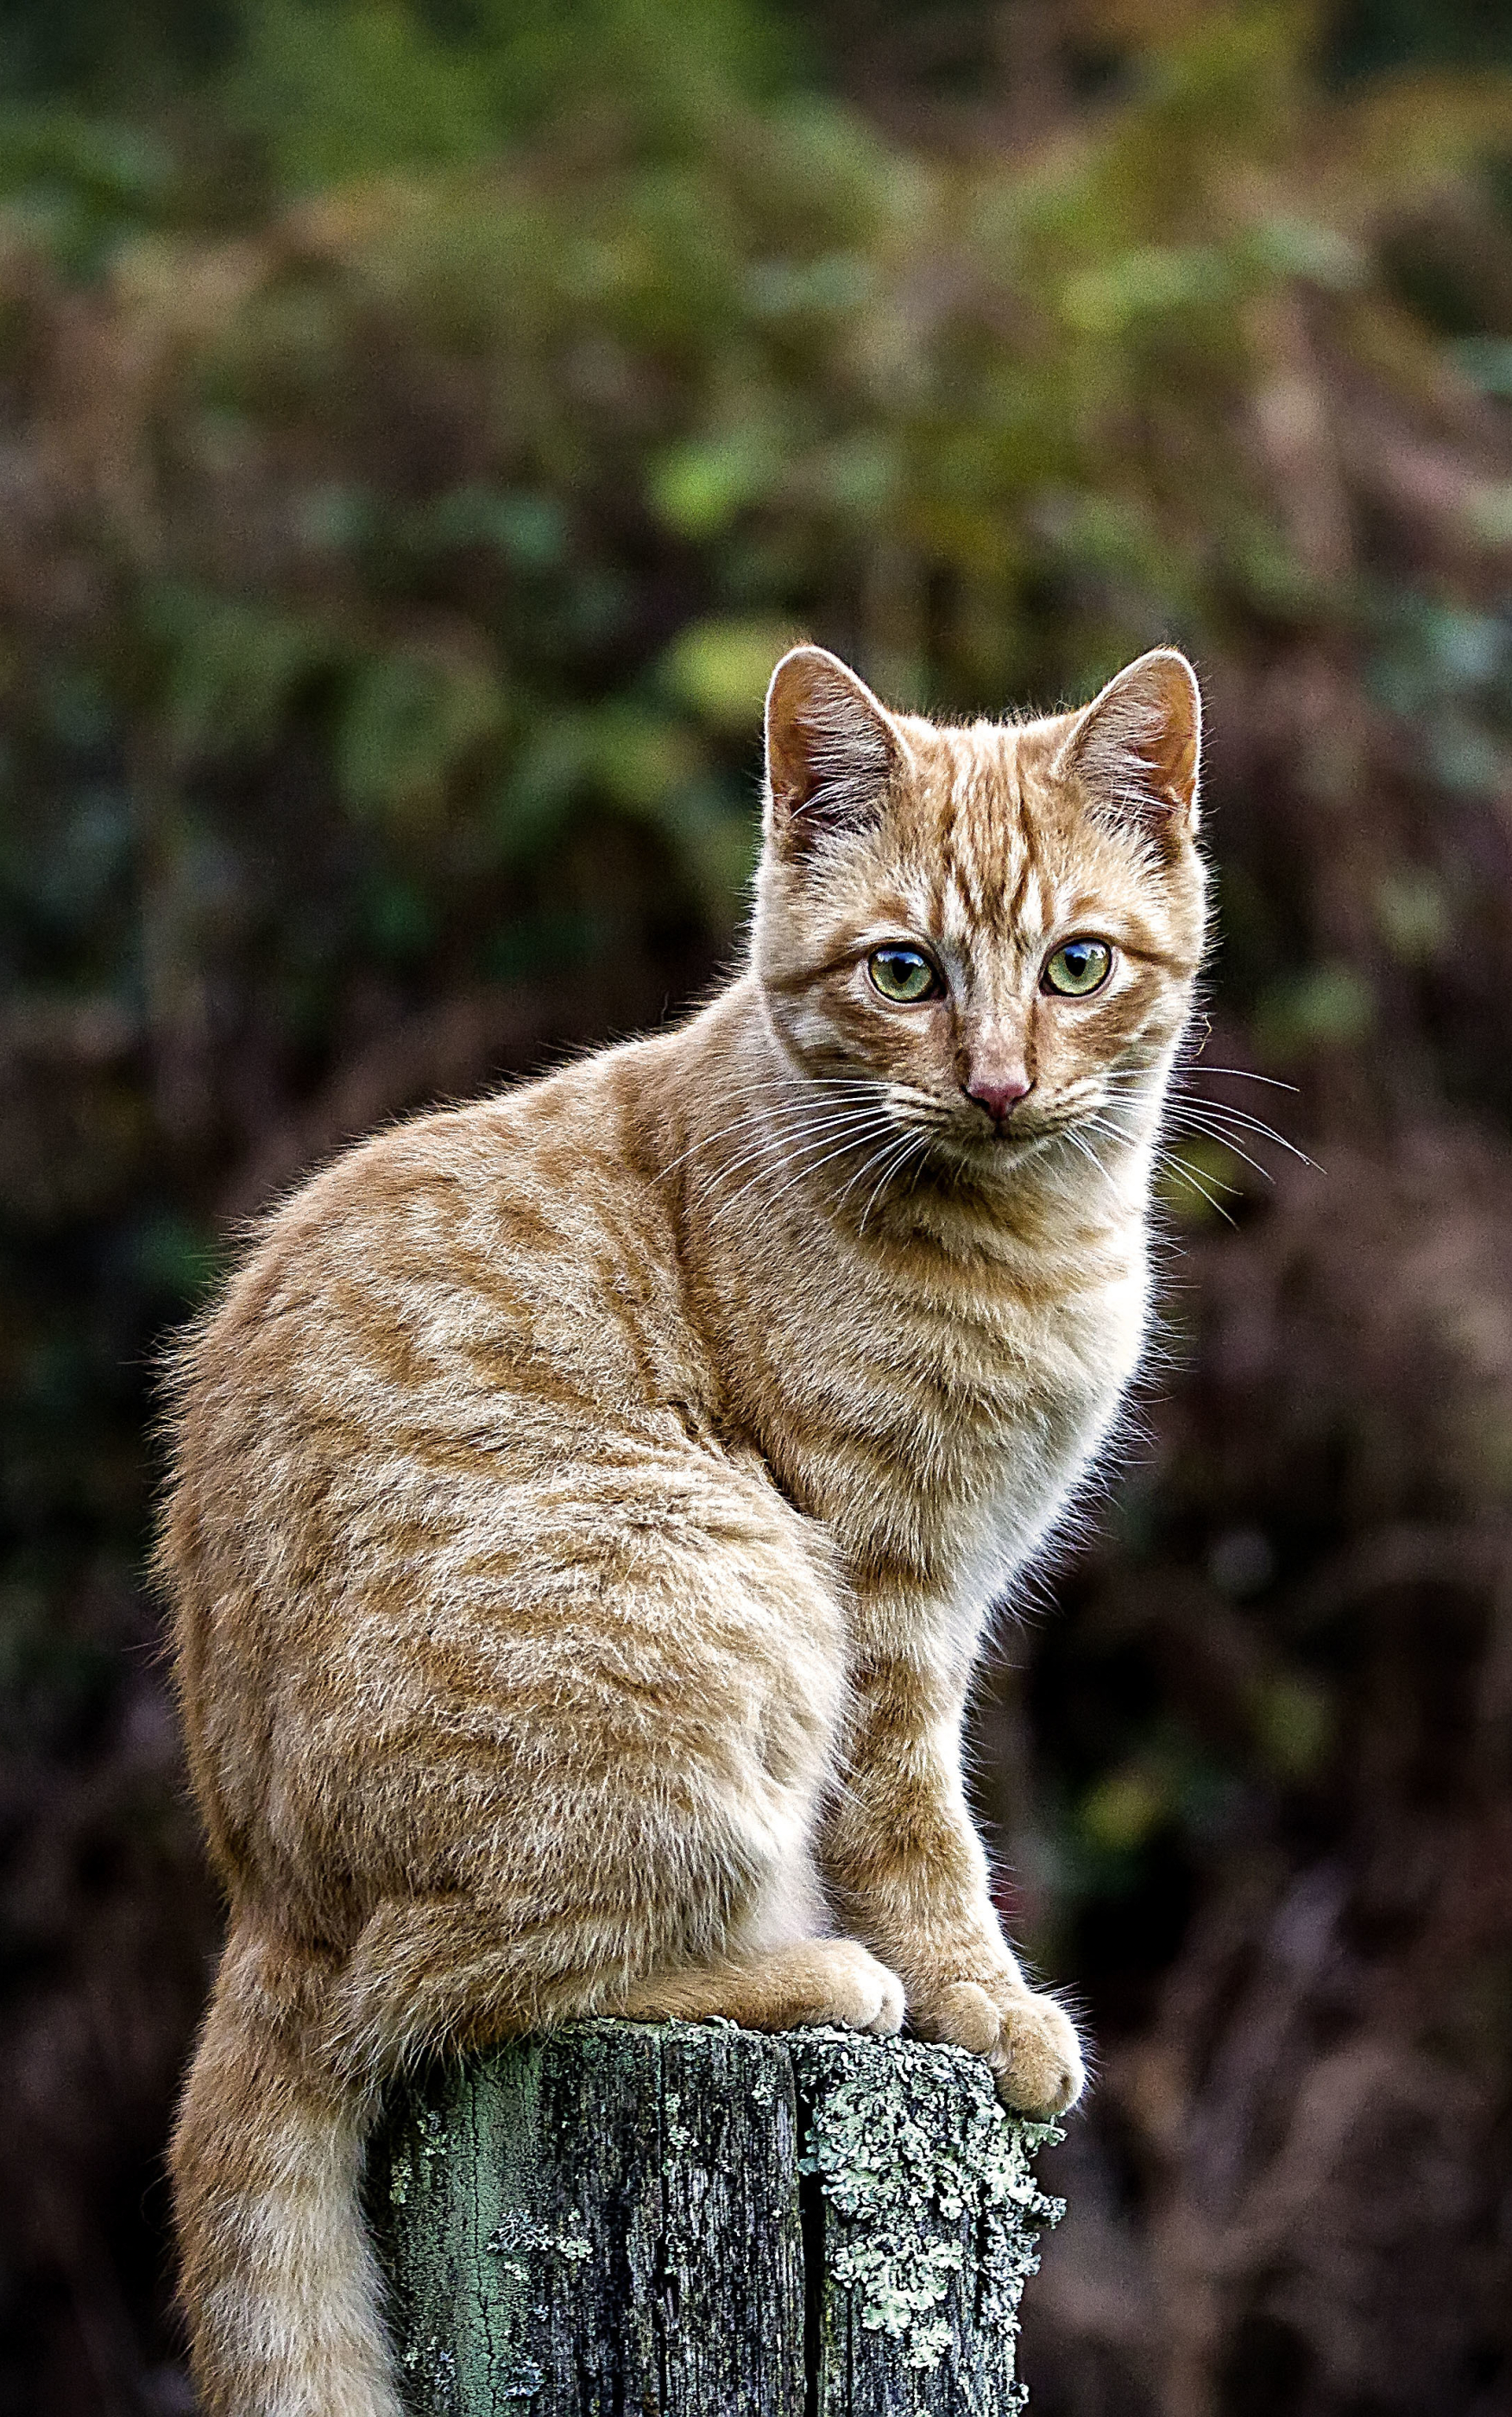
point(587, 1503)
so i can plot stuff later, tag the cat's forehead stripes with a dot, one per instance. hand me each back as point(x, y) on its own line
point(977, 863)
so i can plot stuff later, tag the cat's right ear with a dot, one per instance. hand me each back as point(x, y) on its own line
point(831, 749)
point(1137, 746)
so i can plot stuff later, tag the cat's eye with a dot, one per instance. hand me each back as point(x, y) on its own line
point(904, 976)
point(1078, 968)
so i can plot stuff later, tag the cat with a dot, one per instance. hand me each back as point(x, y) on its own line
point(587, 1503)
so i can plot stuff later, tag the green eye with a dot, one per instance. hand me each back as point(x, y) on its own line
point(905, 976)
point(1078, 968)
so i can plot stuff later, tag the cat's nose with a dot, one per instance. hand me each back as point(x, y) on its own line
point(999, 1092)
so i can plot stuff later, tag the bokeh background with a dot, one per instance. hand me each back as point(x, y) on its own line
point(421, 425)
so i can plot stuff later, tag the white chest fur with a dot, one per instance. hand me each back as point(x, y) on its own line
point(1056, 1401)
point(943, 1430)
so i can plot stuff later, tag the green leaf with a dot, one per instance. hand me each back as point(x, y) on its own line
point(721, 669)
point(698, 488)
point(1155, 282)
point(1294, 1724)
point(1126, 1807)
point(1319, 256)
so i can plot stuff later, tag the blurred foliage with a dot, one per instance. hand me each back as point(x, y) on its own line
point(421, 430)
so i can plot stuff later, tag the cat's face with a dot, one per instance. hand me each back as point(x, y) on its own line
point(1000, 926)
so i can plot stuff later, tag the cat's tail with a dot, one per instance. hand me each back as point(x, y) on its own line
point(278, 2274)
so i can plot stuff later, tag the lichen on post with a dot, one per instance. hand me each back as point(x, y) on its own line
point(684, 2220)
point(926, 2226)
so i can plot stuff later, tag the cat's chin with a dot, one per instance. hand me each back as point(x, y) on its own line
point(993, 1159)
point(1003, 1160)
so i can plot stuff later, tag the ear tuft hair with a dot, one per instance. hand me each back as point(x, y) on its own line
point(1137, 746)
point(831, 748)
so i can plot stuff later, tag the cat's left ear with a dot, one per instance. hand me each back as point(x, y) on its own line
point(831, 749)
point(1137, 746)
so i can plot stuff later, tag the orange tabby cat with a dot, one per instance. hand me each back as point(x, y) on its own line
point(587, 1503)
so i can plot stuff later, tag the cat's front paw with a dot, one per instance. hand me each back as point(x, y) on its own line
point(854, 1990)
point(1029, 2041)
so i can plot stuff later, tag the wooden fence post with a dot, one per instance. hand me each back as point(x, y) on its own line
point(626, 2219)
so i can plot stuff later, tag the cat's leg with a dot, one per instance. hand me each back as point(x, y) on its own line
point(906, 1868)
point(782, 1970)
point(817, 1981)
point(462, 1972)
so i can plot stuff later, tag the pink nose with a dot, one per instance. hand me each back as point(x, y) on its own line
point(998, 1097)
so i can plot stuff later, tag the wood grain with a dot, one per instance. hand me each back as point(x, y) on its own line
point(681, 2220)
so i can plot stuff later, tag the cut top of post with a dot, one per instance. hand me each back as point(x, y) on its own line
point(691, 2220)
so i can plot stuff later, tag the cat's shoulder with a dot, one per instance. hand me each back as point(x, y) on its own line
point(504, 1171)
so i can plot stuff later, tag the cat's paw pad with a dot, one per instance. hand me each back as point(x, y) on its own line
point(862, 1994)
point(1030, 2042)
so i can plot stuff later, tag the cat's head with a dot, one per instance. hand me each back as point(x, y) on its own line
point(1000, 924)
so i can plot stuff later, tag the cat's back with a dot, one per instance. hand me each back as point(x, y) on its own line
point(475, 1297)
point(436, 1254)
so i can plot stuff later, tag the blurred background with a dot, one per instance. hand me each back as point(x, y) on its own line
point(421, 425)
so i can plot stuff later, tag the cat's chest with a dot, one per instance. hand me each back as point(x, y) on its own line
point(997, 1393)
point(939, 1428)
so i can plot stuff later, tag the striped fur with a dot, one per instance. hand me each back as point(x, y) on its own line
point(587, 1503)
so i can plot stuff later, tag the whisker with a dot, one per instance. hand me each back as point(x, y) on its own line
point(1194, 1124)
point(767, 1168)
point(858, 1086)
point(856, 1141)
point(1106, 1121)
point(1220, 1109)
point(885, 1142)
point(861, 1172)
point(1188, 1175)
point(1241, 1073)
point(1183, 1102)
point(1080, 1141)
point(791, 1140)
point(893, 1161)
point(851, 1141)
point(1132, 1133)
point(706, 1141)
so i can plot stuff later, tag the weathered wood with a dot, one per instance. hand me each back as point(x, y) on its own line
point(688, 2220)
